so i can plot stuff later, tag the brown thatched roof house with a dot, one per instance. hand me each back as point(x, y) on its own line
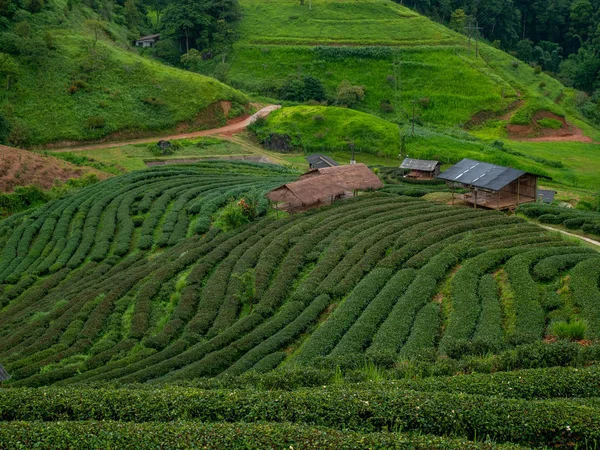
point(322, 186)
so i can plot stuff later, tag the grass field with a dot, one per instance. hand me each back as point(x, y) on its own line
point(81, 90)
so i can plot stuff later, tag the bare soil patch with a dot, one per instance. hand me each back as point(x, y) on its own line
point(21, 168)
point(534, 132)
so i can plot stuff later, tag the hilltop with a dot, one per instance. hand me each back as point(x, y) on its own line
point(72, 76)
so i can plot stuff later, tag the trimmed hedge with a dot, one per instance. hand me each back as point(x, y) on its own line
point(234, 436)
point(536, 423)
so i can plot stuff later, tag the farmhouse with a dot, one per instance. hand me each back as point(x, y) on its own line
point(147, 41)
point(317, 161)
point(491, 186)
point(421, 169)
point(4, 376)
point(319, 187)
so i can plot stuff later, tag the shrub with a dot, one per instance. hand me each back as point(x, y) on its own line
point(95, 122)
point(349, 95)
point(537, 70)
point(386, 107)
point(550, 123)
point(573, 331)
point(301, 88)
point(153, 101)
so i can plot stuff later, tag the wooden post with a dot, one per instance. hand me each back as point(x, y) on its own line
point(475, 198)
point(498, 205)
point(452, 194)
point(518, 192)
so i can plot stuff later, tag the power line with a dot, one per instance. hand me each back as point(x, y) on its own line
point(477, 29)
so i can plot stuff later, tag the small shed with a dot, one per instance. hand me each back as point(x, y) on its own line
point(317, 161)
point(421, 169)
point(319, 187)
point(147, 41)
point(491, 186)
point(4, 376)
point(545, 195)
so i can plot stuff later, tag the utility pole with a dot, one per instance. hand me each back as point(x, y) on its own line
point(414, 104)
point(398, 81)
point(352, 161)
point(475, 28)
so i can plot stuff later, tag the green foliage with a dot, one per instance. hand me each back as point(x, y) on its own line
point(349, 95)
point(550, 123)
point(574, 331)
point(301, 88)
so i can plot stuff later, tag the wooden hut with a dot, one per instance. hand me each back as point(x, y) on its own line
point(491, 186)
point(421, 169)
point(147, 41)
point(4, 376)
point(317, 161)
point(323, 186)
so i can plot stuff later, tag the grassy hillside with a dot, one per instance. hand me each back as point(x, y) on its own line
point(282, 37)
point(77, 79)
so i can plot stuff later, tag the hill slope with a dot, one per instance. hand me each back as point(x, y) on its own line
point(76, 79)
point(132, 280)
point(20, 168)
point(407, 57)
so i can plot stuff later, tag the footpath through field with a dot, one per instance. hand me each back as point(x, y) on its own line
point(583, 238)
point(228, 130)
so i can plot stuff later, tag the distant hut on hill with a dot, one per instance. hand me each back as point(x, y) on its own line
point(491, 186)
point(147, 41)
point(320, 187)
point(317, 161)
point(421, 169)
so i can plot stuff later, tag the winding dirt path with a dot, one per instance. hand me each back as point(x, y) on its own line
point(227, 130)
point(583, 238)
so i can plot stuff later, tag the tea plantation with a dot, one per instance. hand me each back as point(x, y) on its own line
point(134, 308)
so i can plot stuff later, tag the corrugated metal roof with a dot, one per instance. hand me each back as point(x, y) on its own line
point(321, 161)
point(481, 174)
point(547, 195)
point(3, 374)
point(419, 164)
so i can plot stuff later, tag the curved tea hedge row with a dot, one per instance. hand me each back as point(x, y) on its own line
point(573, 219)
point(128, 281)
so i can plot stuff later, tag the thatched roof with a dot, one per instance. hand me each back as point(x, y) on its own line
point(307, 191)
point(354, 177)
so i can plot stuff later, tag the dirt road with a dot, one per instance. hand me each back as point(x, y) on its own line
point(226, 130)
point(583, 238)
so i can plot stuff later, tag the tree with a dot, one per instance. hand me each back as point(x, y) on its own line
point(9, 69)
point(349, 95)
point(5, 129)
point(458, 20)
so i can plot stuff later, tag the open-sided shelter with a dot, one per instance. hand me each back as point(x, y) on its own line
point(491, 186)
point(323, 186)
point(421, 169)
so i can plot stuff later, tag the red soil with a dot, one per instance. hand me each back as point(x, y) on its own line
point(21, 168)
point(535, 133)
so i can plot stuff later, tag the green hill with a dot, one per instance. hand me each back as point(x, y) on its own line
point(407, 57)
point(76, 78)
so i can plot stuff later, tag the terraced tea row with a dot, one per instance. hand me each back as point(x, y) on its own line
point(377, 275)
